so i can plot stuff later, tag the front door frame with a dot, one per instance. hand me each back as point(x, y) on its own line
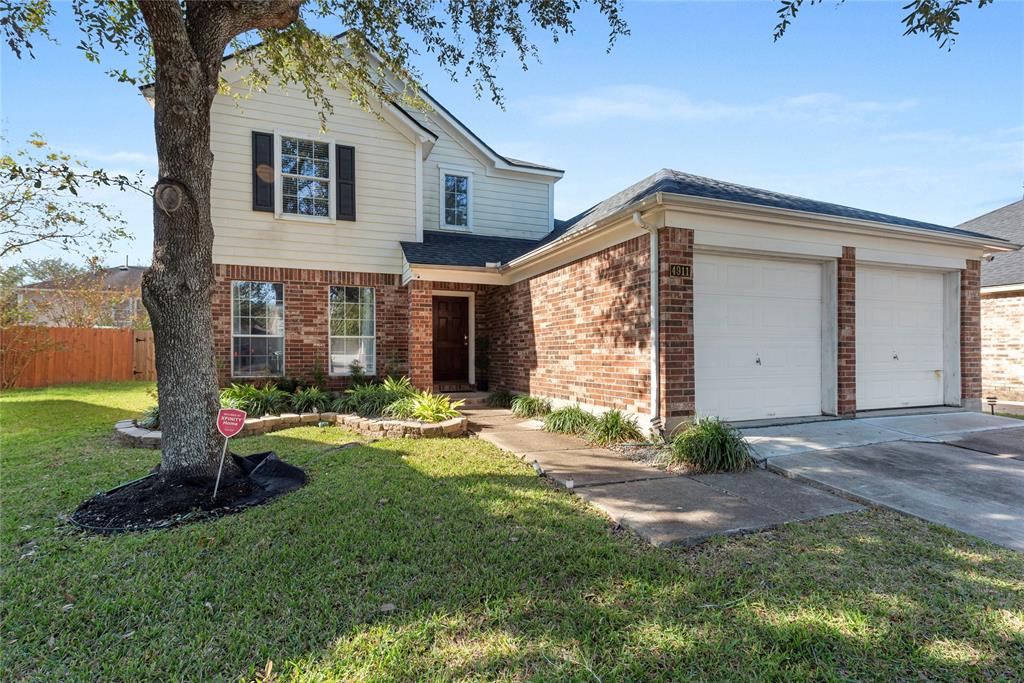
point(471, 313)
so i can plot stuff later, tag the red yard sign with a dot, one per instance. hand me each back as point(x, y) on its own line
point(230, 421)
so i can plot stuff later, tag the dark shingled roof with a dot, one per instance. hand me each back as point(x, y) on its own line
point(1008, 223)
point(461, 249)
point(455, 249)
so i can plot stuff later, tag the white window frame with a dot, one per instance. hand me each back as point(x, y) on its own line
point(279, 178)
point(442, 171)
point(345, 373)
point(284, 341)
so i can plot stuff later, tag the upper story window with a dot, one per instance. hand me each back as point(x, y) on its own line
point(257, 329)
point(455, 199)
point(306, 177)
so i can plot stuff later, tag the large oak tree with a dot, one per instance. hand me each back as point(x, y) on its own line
point(181, 45)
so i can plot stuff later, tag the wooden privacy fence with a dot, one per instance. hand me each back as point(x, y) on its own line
point(43, 356)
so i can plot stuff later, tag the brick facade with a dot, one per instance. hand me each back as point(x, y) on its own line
point(970, 331)
point(1002, 345)
point(305, 306)
point(846, 339)
point(580, 332)
point(675, 311)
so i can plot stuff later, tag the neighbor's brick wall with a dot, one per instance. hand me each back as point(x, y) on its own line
point(846, 341)
point(579, 332)
point(305, 306)
point(970, 331)
point(675, 304)
point(1002, 345)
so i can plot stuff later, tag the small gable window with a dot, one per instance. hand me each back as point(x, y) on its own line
point(455, 204)
point(305, 177)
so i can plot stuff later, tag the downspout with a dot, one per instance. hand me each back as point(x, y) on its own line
point(656, 421)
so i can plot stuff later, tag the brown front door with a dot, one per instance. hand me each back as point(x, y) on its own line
point(451, 339)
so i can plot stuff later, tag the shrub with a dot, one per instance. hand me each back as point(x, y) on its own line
point(710, 445)
point(370, 400)
point(150, 418)
point(530, 406)
point(425, 407)
point(256, 401)
point(615, 427)
point(310, 400)
point(500, 399)
point(570, 420)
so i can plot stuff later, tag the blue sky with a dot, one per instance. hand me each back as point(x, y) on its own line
point(844, 108)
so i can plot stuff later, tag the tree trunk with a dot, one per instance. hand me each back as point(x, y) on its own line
point(178, 287)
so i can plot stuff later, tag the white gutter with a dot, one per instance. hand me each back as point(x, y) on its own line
point(656, 421)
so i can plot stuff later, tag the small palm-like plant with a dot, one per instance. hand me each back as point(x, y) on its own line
point(530, 406)
point(310, 400)
point(709, 445)
point(570, 420)
point(425, 407)
point(370, 400)
point(615, 427)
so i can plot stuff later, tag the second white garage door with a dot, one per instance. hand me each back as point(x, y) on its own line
point(757, 337)
point(899, 338)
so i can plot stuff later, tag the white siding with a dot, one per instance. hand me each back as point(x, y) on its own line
point(385, 189)
point(501, 206)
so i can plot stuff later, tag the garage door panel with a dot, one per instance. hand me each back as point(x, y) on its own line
point(745, 309)
point(899, 338)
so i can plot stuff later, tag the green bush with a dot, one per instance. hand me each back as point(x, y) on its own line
point(500, 399)
point(256, 401)
point(710, 445)
point(150, 418)
point(425, 407)
point(370, 400)
point(570, 420)
point(311, 400)
point(530, 406)
point(615, 427)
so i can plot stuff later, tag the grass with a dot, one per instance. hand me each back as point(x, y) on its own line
point(445, 560)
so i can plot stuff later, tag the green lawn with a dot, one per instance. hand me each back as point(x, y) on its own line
point(444, 560)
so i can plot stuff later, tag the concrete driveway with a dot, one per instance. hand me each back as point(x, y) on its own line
point(963, 470)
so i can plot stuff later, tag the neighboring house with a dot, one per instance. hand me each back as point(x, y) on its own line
point(1002, 306)
point(406, 243)
point(111, 297)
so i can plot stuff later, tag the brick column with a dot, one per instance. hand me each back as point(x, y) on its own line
point(970, 335)
point(421, 334)
point(846, 347)
point(675, 305)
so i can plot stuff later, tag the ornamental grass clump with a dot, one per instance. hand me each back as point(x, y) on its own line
point(310, 400)
point(256, 401)
point(710, 445)
point(615, 427)
point(370, 400)
point(500, 399)
point(570, 420)
point(425, 407)
point(150, 418)
point(530, 406)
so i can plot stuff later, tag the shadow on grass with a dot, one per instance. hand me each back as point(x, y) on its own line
point(449, 559)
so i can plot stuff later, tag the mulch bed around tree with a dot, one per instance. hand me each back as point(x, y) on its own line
point(152, 503)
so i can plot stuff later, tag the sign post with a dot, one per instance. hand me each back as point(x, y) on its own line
point(229, 422)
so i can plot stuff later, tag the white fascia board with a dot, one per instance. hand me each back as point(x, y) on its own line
point(995, 289)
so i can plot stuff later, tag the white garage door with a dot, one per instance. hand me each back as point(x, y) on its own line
point(757, 337)
point(899, 338)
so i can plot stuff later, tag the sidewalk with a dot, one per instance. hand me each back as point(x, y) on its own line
point(662, 507)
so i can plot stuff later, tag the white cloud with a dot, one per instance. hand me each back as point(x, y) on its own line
point(652, 103)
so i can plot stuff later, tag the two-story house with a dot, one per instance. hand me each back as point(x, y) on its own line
point(406, 243)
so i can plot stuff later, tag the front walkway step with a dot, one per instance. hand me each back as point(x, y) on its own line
point(592, 467)
point(470, 399)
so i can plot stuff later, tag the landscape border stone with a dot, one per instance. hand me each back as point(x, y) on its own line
point(131, 434)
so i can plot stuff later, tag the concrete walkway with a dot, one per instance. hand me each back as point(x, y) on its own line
point(662, 507)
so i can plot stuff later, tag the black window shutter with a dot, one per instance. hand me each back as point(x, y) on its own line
point(262, 171)
point(345, 168)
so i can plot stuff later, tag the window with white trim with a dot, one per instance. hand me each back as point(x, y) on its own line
point(306, 177)
point(352, 316)
point(257, 329)
point(455, 189)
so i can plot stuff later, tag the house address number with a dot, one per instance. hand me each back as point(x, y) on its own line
point(676, 270)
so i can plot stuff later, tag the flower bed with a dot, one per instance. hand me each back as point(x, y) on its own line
point(130, 433)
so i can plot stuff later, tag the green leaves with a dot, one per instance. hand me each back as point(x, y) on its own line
point(710, 445)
